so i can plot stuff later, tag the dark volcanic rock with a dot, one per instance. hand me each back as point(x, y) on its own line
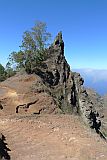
point(66, 86)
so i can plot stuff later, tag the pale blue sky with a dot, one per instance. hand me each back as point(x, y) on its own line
point(83, 23)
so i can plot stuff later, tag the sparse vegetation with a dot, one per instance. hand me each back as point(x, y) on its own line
point(33, 48)
point(2, 73)
point(9, 70)
point(6, 72)
point(31, 54)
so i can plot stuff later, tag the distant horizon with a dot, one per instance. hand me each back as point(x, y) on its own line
point(95, 79)
point(90, 69)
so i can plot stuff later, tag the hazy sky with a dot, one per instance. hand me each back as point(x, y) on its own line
point(83, 23)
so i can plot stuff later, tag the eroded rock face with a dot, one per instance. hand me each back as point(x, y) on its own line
point(66, 86)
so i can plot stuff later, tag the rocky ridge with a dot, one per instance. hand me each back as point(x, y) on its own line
point(65, 86)
point(53, 80)
point(52, 88)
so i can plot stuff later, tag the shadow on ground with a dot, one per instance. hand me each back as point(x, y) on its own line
point(4, 149)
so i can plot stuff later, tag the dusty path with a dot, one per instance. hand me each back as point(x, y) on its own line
point(51, 137)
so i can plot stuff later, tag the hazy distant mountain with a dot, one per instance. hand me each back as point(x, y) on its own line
point(96, 79)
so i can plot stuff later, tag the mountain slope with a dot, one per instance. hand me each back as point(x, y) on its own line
point(95, 79)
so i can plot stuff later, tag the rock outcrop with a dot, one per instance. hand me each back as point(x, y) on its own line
point(65, 86)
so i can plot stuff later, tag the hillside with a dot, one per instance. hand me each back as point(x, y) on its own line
point(19, 90)
point(49, 114)
point(95, 79)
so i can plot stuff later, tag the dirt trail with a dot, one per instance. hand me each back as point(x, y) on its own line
point(51, 137)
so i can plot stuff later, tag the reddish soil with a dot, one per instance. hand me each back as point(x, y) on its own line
point(45, 136)
point(50, 137)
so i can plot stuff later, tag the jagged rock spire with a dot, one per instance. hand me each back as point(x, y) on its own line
point(58, 38)
point(66, 86)
point(58, 41)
